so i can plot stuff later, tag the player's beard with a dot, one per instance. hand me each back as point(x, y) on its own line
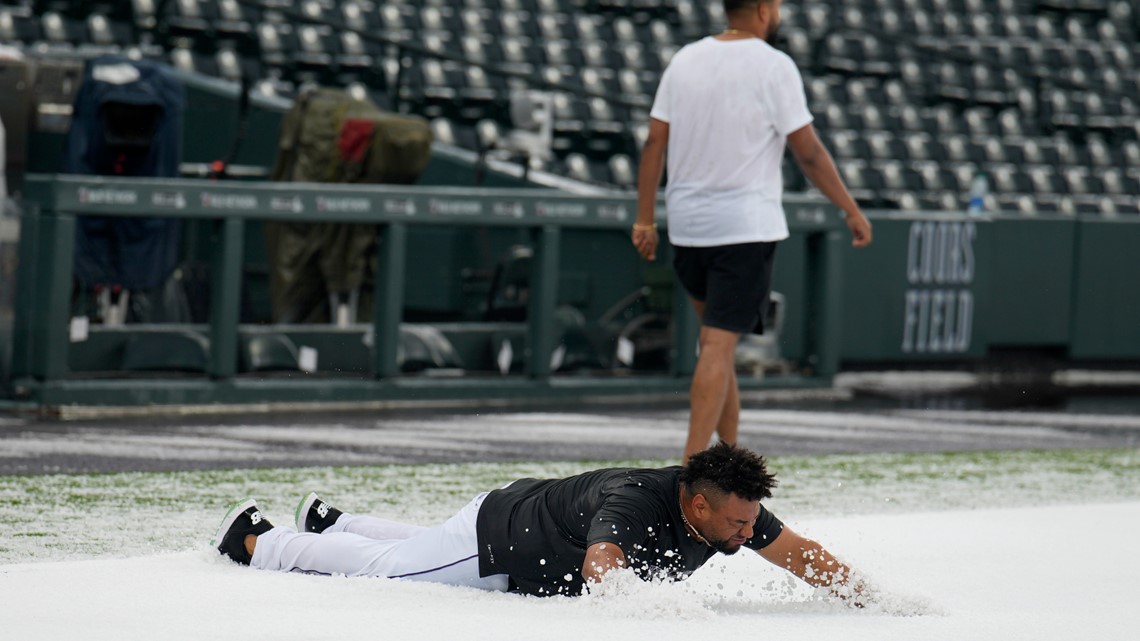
point(724, 547)
point(773, 36)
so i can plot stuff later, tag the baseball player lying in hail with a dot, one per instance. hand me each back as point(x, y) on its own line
point(548, 537)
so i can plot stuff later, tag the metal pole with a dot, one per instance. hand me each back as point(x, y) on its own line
point(686, 332)
point(827, 289)
point(225, 297)
point(389, 299)
point(51, 305)
point(543, 298)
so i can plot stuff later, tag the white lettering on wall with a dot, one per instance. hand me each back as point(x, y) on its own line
point(941, 253)
point(939, 308)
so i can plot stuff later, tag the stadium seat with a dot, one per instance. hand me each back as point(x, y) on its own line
point(994, 151)
point(1045, 179)
point(897, 176)
point(632, 88)
point(848, 144)
point(921, 146)
point(17, 28)
point(1015, 203)
point(481, 96)
point(439, 19)
point(235, 20)
point(315, 53)
point(518, 54)
point(438, 89)
point(189, 18)
point(518, 5)
point(1114, 181)
point(477, 22)
point(188, 60)
point(622, 171)
point(560, 53)
point(443, 131)
point(398, 22)
point(513, 25)
point(60, 33)
point(276, 44)
point(882, 145)
point(578, 167)
point(488, 134)
point(552, 27)
point(477, 48)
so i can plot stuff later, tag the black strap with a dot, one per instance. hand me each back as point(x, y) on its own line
point(219, 167)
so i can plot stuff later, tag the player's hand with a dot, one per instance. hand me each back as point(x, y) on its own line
point(860, 229)
point(645, 241)
point(856, 593)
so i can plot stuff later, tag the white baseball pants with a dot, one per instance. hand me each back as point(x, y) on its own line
point(371, 546)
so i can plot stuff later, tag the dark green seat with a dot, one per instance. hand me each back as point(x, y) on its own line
point(175, 350)
point(267, 352)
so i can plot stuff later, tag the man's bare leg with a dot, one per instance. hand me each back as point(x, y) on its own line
point(728, 426)
point(714, 401)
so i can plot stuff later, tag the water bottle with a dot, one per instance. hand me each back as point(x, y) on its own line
point(979, 189)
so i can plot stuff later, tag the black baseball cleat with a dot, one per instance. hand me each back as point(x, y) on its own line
point(315, 515)
point(243, 518)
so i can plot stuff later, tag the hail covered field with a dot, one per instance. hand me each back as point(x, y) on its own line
point(969, 523)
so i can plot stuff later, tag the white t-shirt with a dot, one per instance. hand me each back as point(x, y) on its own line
point(730, 106)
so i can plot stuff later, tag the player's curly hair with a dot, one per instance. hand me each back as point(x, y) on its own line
point(728, 469)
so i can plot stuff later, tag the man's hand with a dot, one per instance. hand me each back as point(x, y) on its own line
point(854, 592)
point(860, 229)
point(644, 234)
point(645, 240)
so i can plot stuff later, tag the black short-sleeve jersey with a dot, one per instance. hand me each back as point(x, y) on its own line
point(537, 531)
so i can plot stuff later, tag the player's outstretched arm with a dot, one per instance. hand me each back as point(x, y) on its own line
point(600, 559)
point(811, 562)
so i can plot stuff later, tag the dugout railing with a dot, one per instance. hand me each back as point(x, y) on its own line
point(43, 337)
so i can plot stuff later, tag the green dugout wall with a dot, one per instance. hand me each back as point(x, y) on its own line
point(951, 289)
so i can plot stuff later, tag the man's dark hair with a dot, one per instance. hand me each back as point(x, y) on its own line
point(728, 469)
point(732, 6)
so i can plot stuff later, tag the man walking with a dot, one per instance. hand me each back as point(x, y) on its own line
point(553, 537)
point(725, 108)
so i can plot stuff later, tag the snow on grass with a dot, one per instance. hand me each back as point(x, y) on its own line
point(979, 546)
point(57, 517)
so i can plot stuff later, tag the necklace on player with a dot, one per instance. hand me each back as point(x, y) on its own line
point(692, 530)
point(737, 32)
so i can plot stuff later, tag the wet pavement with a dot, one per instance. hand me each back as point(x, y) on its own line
point(773, 424)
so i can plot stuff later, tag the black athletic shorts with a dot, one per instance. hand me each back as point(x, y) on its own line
point(733, 281)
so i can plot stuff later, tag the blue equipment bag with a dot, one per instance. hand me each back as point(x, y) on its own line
point(127, 121)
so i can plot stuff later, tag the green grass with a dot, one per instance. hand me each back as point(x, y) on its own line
point(55, 517)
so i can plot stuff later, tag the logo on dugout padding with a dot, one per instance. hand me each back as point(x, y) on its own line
point(939, 305)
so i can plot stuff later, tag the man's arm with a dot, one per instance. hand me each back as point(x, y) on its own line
point(817, 164)
point(644, 235)
point(601, 558)
point(809, 561)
